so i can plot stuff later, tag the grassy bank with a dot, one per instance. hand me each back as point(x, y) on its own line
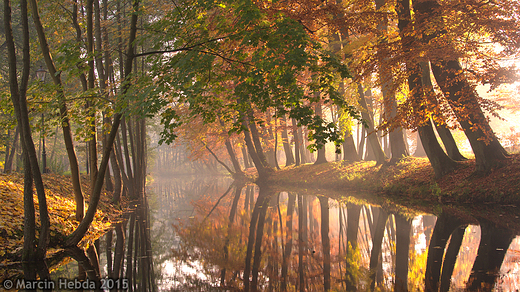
point(412, 178)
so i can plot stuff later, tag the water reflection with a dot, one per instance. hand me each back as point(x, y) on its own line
point(119, 261)
point(254, 239)
point(215, 234)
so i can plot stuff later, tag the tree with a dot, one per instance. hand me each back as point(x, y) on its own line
point(64, 116)
point(77, 235)
point(32, 170)
point(254, 65)
point(459, 93)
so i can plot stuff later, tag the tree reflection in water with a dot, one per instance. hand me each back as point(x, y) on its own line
point(128, 261)
point(211, 235)
point(264, 240)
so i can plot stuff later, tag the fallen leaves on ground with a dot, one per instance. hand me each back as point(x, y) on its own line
point(61, 206)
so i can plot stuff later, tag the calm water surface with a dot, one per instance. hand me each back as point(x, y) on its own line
point(210, 234)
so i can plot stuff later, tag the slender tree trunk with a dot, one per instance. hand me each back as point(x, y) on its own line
point(92, 142)
point(78, 234)
point(64, 116)
point(245, 157)
point(29, 220)
point(289, 157)
point(304, 155)
point(372, 137)
point(18, 97)
point(116, 197)
point(397, 143)
point(263, 171)
point(255, 135)
point(296, 142)
point(321, 151)
point(234, 160)
point(8, 167)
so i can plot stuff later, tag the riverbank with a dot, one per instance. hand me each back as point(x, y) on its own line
point(412, 178)
point(61, 206)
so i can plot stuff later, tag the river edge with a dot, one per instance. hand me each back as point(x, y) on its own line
point(406, 187)
point(410, 177)
point(409, 187)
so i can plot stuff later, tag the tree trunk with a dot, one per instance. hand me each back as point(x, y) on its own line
point(116, 196)
point(321, 151)
point(8, 167)
point(462, 97)
point(234, 160)
point(289, 157)
point(296, 142)
point(349, 148)
point(245, 157)
point(260, 168)
point(92, 135)
point(419, 149)
point(372, 137)
point(447, 138)
point(304, 152)
point(440, 162)
point(64, 116)
point(18, 97)
point(29, 220)
point(397, 143)
point(255, 135)
point(80, 231)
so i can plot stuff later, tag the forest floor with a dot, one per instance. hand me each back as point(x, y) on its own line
point(61, 206)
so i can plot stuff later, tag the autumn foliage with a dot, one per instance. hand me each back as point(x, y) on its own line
point(60, 201)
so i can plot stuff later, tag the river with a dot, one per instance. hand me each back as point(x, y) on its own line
point(209, 234)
